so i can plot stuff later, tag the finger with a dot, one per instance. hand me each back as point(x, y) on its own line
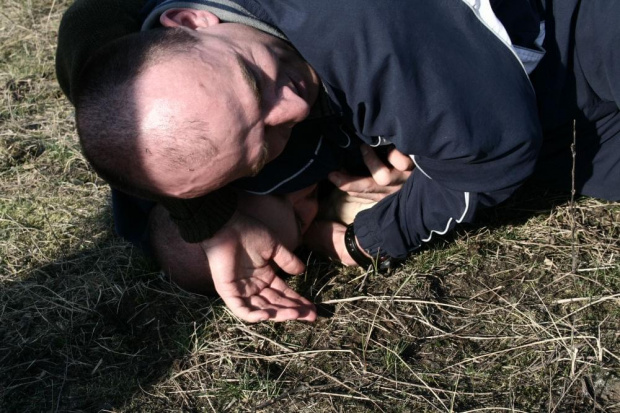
point(281, 310)
point(281, 293)
point(357, 184)
point(380, 172)
point(370, 197)
point(256, 309)
point(275, 298)
point(354, 198)
point(240, 308)
point(309, 314)
point(400, 161)
point(287, 261)
point(279, 307)
point(350, 183)
point(305, 313)
point(292, 311)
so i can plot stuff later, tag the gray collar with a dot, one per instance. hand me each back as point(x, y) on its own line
point(226, 11)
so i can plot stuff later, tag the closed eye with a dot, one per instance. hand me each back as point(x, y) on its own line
point(251, 80)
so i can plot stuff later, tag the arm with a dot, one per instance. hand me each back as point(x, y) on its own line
point(237, 262)
point(404, 221)
point(456, 97)
point(409, 218)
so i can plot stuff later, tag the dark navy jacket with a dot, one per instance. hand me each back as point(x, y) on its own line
point(435, 79)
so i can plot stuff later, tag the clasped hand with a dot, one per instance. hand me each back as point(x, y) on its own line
point(327, 236)
point(385, 179)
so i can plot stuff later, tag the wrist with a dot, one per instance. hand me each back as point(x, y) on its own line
point(382, 264)
point(357, 253)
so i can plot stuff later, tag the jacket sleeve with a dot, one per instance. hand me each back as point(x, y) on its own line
point(448, 186)
point(441, 193)
point(421, 210)
point(438, 79)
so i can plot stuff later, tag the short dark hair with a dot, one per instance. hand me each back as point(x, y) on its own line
point(106, 112)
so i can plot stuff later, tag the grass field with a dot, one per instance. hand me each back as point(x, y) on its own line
point(518, 314)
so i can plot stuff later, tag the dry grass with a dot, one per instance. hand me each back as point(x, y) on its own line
point(493, 320)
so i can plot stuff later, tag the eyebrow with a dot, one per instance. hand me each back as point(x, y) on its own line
point(251, 81)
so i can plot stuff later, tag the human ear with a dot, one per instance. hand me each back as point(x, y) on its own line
point(192, 19)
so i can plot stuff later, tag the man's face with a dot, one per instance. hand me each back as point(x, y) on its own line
point(234, 99)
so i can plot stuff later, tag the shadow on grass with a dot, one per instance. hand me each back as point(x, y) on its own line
point(96, 328)
point(531, 200)
point(90, 330)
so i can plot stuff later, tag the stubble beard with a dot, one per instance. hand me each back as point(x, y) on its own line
point(262, 160)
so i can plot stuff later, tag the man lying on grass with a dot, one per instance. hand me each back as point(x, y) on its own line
point(203, 102)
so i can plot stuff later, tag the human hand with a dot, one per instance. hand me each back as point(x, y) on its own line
point(327, 237)
point(385, 179)
point(240, 257)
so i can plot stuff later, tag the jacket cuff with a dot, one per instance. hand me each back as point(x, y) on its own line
point(366, 230)
point(200, 218)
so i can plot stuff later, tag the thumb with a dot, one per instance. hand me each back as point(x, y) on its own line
point(400, 161)
point(288, 261)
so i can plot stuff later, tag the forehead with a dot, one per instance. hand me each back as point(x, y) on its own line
point(193, 87)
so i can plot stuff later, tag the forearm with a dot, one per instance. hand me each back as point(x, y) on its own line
point(421, 210)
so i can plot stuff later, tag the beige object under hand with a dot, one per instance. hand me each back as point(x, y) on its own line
point(342, 207)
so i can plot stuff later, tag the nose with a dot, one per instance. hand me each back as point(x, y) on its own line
point(287, 108)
